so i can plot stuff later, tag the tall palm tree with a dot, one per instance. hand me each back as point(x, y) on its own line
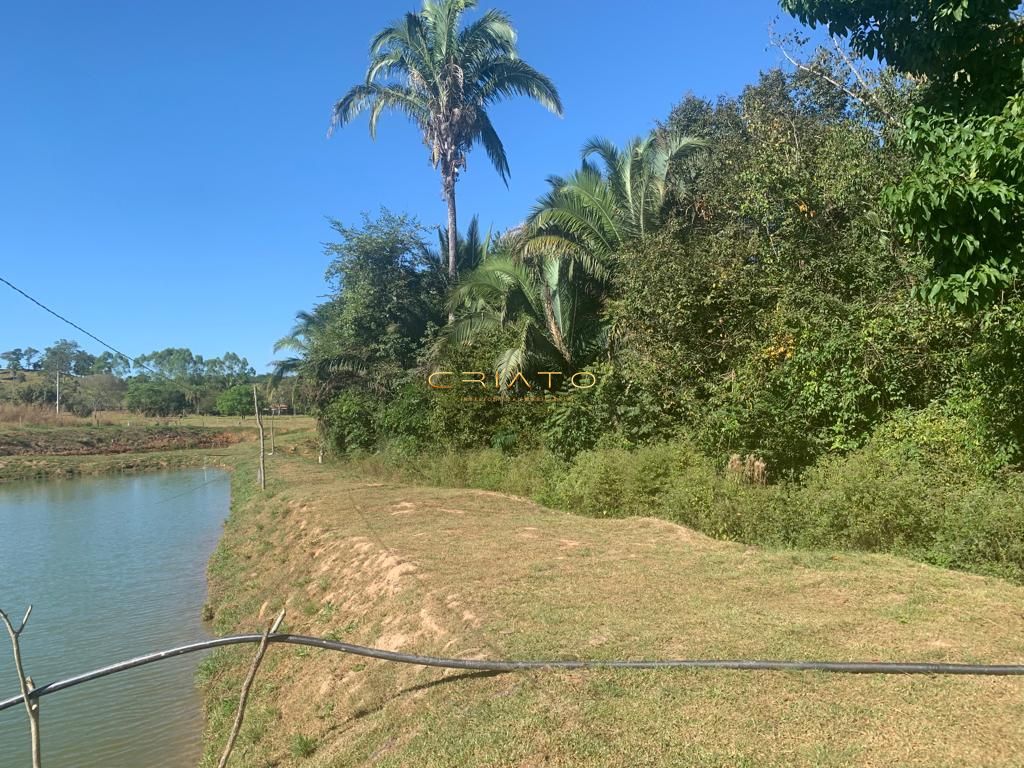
point(444, 78)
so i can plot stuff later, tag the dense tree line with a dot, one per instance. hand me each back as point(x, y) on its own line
point(166, 382)
point(814, 279)
point(783, 320)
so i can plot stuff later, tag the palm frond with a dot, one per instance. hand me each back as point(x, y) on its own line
point(492, 144)
point(489, 36)
point(468, 327)
point(504, 77)
point(376, 98)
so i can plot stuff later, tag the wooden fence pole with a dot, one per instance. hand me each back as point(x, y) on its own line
point(259, 423)
point(27, 686)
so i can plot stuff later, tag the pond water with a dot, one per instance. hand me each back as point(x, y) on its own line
point(114, 567)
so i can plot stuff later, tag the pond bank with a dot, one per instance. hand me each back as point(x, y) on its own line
point(462, 572)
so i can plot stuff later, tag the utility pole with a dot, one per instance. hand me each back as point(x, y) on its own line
point(58, 391)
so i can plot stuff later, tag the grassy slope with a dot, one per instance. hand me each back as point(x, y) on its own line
point(471, 573)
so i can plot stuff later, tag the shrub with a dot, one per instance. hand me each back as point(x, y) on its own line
point(456, 423)
point(405, 419)
point(620, 482)
point(348, 422)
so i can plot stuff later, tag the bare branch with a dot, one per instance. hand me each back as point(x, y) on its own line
point(828, 78)
point(24, 621)
point(243, 700)
point(850, 65)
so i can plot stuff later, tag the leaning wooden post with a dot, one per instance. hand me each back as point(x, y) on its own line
point(259, 423)
point(244, 698)
point(27, 686)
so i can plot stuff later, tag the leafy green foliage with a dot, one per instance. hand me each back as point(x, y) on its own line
point(778, 325)
point(13, 358)
point(386, 295)
point(155, 397)
point(964, 202)
point(349, 422)
point(969, 50)
point(236, 401)
point(961, 202)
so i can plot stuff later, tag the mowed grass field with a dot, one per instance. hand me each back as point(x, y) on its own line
point(475, 574)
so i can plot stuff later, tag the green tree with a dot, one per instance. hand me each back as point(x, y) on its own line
point(386, 296)
point(962, 202)
point(236, 401)
point(777, 323)
point(30, 354)
point(102, 391)
point(444, 79)
point(967, 51)
point(174, 363)
point(107, 363)
point(13, 359)
point(155, 397)
point(60, 357)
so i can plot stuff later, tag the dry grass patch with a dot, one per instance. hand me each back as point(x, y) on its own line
point(475, 574)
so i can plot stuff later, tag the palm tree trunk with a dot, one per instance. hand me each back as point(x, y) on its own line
point(453, 233)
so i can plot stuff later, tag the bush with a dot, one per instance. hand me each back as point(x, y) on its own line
point(348, 422)
point(922, 487)
point(619, 482)
point(456, 423)
point(405, 420)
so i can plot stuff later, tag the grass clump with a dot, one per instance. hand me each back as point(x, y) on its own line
point(302, 745)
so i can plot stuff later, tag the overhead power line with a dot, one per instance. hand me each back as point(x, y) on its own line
point(134, 361)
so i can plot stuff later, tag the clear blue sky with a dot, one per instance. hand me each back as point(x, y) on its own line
point(167, 177)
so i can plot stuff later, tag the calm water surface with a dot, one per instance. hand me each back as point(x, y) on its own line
point(114, 567)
